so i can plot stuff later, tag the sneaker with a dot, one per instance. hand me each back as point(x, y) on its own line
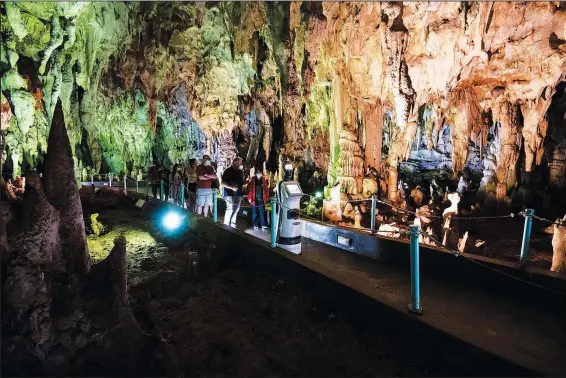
point(264, 227)
point(256, 227)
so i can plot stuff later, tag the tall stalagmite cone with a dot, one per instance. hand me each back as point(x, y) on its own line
point(27, 325)
point(61, 191)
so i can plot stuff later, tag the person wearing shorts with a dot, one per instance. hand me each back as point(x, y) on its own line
point(205, 176)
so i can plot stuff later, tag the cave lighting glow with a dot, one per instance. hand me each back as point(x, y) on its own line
point(318, 194)
point(172, 220)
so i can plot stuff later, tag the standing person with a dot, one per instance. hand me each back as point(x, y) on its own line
point(176, 184)
point(165, 176)
point(191, 184)
point(205, 175)
point(154, 176)
point(258, 194)
point(232, 181)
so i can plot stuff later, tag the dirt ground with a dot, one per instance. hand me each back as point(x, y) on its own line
point(227, 322)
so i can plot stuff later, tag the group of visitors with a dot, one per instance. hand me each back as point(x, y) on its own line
point(199, 180)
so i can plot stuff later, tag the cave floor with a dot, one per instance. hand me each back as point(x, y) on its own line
point(236, 323)
point(231, 323)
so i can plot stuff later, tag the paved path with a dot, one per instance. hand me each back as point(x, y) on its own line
point(528, 334)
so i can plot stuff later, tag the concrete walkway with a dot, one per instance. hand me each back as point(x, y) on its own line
point(532, 335)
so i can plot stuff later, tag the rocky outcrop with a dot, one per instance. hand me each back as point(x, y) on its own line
point(59, 317)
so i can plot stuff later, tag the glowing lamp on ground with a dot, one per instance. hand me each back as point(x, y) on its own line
point(172, 220)
point(318, 194)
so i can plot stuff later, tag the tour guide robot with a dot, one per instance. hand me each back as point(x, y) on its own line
point(288, 226)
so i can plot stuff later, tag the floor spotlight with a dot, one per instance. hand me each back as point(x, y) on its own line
point(172, 220)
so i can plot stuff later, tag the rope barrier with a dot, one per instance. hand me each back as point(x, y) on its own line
point(512, 215)
point(457, 254)
point(424, 234)
point(544, 220)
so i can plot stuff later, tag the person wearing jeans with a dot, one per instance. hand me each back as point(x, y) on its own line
point(233, 181)
point(258, 195)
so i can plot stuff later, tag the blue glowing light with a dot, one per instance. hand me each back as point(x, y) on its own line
point(172, 220)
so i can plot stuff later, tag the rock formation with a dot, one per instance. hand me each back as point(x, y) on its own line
point(559, 246)
point(350, 163)
point(59, 318)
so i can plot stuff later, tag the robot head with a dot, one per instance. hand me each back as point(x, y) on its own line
point(288, 171)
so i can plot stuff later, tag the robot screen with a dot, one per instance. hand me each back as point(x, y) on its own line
point(293, 189)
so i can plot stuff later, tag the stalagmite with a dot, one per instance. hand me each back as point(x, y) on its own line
point(61, 191)
point(463, 243)
point(332, 209)
point(389, 230)
point(350, 163)
point(559, 246)
point(66, 323)
point(506, 115)
point(454, 199)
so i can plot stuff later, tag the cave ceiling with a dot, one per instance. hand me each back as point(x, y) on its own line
point(344, 86)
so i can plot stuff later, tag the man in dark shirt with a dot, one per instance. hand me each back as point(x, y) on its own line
point(232, 181)
point(154, 176)
point(205, 176)
point(258, 194)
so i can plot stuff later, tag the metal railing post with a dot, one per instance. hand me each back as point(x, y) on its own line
point(526, 236)
point(372, 220)
point(137, 184)
point(415, 306)
point(110, 179)
point(91, 179)
point(162, 191)
point(215, 205)
point(182, 195)
point(125, 183)
point(273, 223)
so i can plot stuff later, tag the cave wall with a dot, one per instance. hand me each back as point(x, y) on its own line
point(139, 82)
point(359, 87)
point(455, 62)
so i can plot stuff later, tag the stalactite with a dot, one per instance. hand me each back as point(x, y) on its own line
point(403, 94)
point(505, 113)
point(534, 130)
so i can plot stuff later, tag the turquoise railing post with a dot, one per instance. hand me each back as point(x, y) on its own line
point(372, 220)
point(215, 205)
point(273, 222)
point(415, 306)
point(182, 195)
point(526, 236)
point(162, 190)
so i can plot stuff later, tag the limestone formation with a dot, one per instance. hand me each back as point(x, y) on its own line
point(350, 164)
point(559, 246)
point(62, 192)
point(59, 317)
